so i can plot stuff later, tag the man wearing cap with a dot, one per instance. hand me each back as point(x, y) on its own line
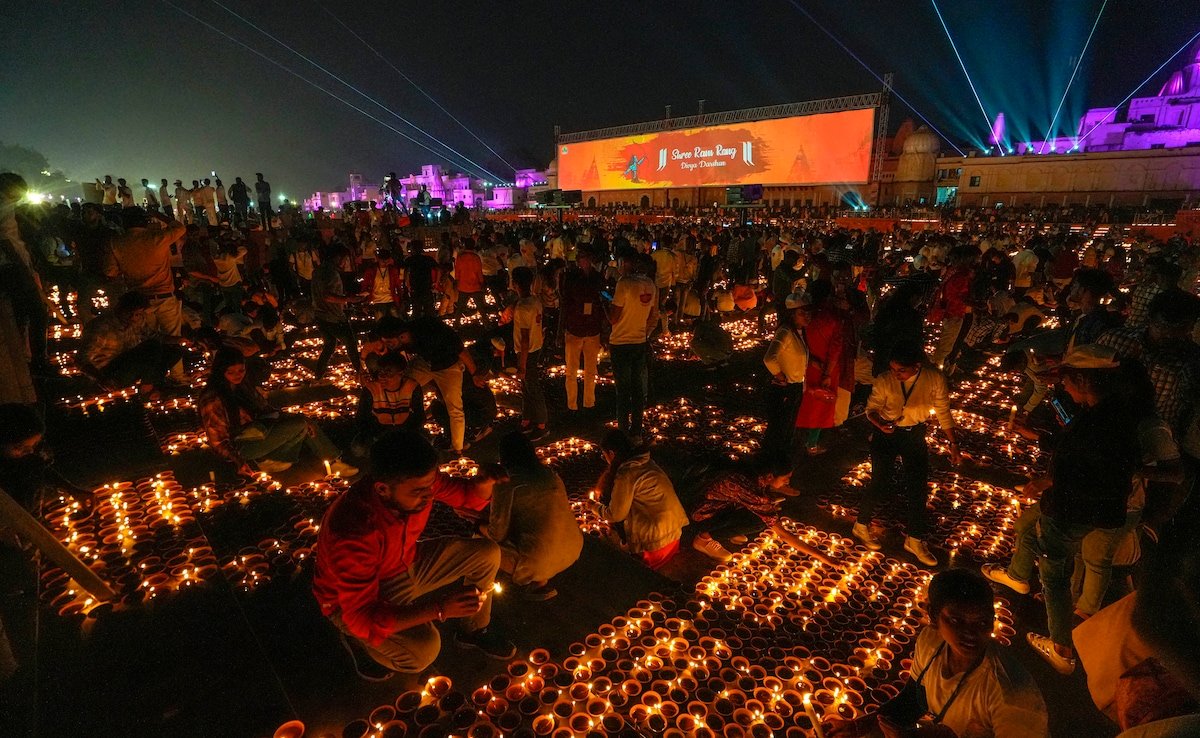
point(902, 399)
point(1091, 477)
point(787, 360)
point(384, 285)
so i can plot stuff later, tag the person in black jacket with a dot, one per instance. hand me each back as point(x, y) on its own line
point(1091, 476)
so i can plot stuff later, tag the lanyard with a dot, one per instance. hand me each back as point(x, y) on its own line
point(907, 393)
point(958, 688)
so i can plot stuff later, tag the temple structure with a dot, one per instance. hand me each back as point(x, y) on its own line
point(1168, 120)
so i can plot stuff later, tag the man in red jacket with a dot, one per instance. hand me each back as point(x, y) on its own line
point(385, 587)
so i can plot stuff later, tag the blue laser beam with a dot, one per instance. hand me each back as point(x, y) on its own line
point(1141, 84)
point(476, 165)
point(986, 120)
point(870, 71)
point(1050, 130)
point(300, 77)
point(418, 88)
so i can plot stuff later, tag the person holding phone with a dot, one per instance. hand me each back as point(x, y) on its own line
point(902, 399)
point(1091, 476)
point(962, 683)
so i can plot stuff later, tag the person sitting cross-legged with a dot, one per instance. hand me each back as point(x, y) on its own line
point(242, 428)
point(531, 519)
point(385, 588)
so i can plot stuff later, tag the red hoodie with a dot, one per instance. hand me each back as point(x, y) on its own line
point(362, 543)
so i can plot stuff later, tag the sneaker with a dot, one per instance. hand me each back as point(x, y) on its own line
point(536, 433)
point(491, 643)
point(1045, 648)
point(366, 667)
point(1000, 575)
point(342, 469)
point(481, 434)
point(815, 450)
point(864, 534)
point(918, 548)
point(270, 466)
point(536, 594)
point(711, 547)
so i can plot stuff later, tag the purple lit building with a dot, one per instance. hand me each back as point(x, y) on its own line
point(1144, 155)
point(449, 187)
point(1168, 120)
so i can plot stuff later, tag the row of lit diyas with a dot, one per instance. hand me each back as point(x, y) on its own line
point(971, 519)
point(146, 540)
point(704, 428)
point(333, 408)
point(143, 539)
point(66, 301)
point(97, 403)
point(551, 453)
point(174, 444)
point(988, 392)
point(559, 371)
point(60, 332)
point(769, 644)
point(745, 333)
point(990, 443)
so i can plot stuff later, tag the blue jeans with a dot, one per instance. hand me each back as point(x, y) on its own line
point(1058, 543)
point(629, 362)
point(1020, 566)
point(1093, 565)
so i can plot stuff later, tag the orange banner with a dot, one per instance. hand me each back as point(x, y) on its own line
point(827, 148)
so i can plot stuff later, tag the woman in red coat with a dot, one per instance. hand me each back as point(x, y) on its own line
point(826, 342)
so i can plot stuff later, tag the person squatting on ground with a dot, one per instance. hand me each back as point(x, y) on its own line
point(382, 586)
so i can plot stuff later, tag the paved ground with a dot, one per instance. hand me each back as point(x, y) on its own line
point(213, 660)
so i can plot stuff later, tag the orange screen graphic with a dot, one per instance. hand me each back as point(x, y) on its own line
point(827, 148)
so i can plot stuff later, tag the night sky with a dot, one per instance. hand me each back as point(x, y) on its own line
point(141, 90)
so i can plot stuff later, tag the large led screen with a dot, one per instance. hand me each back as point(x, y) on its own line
point(827, 148)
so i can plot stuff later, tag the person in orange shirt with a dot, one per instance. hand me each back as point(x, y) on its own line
point(468, 274)
point(142, 256)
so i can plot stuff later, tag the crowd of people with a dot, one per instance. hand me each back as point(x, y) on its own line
point(188, 290)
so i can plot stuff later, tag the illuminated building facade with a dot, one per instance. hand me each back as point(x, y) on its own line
point(449, 187)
